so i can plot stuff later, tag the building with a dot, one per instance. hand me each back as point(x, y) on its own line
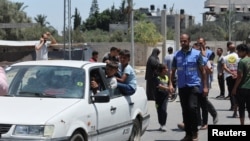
point(154, 15)
point(237, 10)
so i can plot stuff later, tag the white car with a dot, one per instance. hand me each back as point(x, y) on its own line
point(52, 100)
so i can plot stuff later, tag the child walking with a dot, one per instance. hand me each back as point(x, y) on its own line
point(162, 95)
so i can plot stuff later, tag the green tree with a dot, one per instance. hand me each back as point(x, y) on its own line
point(94, 9)
point(41, 20)
point(210, 31)
point(104, 19)
point(12, 13)
point(91, 23)
point(77, 19)
point(241, 31)
point(146, 33)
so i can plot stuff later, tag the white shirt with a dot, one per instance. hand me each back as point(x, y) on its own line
point(231, 60)
point(42, 53)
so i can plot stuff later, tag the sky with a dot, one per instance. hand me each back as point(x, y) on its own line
point(54, 9)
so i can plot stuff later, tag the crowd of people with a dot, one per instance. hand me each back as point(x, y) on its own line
point(190, 70)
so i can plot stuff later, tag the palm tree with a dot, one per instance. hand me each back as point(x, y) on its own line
point(41, 20)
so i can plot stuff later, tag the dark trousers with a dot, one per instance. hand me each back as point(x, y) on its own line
point(161, 103)
point(244, 102)
point(211, 110)
point(189, 105)
point(221, 82)
point(203, 107)
point(206, 107)
point(230, 84)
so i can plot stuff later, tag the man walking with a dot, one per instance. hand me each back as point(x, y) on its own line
point(187, 63)
point(220, 73)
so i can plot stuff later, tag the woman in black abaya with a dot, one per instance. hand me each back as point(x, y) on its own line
point(151, 67)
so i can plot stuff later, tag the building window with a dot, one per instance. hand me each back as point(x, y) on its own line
point(223, 9)
point(212, 9)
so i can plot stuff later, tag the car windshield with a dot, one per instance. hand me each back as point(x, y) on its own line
point(46, 81)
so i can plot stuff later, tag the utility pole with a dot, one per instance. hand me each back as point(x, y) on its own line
point(177, 31)
point(164, 31)
point(67, 25)
point(132, 34)
point(229, 21)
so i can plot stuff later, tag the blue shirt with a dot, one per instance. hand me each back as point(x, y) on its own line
point(129, 71)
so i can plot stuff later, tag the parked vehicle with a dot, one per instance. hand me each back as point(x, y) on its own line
point(52, 100)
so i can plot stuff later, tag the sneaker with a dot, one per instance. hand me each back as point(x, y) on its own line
point(163, 128)
point(203, 127)
point(181, 126)
point(215, 119)
point(195, 136)
point(187, 138)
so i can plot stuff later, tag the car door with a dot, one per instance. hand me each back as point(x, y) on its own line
point(113, 118)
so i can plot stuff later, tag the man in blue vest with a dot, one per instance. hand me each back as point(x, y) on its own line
point(187, 63)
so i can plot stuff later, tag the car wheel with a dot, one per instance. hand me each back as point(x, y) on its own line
point(136, 131)
point(77, 137)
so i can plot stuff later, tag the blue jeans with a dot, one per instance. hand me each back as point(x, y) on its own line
point(125, 88)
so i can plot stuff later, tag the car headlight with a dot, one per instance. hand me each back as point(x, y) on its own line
point(34, 130)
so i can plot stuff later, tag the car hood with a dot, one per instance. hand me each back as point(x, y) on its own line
point(17, 110)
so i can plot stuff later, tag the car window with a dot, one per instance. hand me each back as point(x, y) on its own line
point(97, 75)
point(63, 82)
point(113, 92)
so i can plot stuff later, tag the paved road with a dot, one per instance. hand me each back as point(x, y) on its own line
point(174, 117)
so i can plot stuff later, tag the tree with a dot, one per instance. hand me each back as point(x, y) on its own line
point(77, 19)
point(210, 31)
point(12, 13)
point(241, 31)
point(94, 9)
point(41, 20)
point(146, 33)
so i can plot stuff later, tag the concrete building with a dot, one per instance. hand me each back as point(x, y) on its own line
point(154, 15)
point(238, 10)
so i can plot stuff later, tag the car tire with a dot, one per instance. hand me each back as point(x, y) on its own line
point(136, 131)
point(77, 136)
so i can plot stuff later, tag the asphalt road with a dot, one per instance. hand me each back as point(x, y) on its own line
point(174, 116)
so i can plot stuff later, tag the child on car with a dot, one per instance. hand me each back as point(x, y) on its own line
point(110, 70)
point(127, 80)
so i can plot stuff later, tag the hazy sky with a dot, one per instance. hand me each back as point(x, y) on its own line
point(54, 9)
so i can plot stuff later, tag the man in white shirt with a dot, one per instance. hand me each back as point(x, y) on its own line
point(230, 65)
point(42, 46)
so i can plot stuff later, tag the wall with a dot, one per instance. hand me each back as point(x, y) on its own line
point(141, 52)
